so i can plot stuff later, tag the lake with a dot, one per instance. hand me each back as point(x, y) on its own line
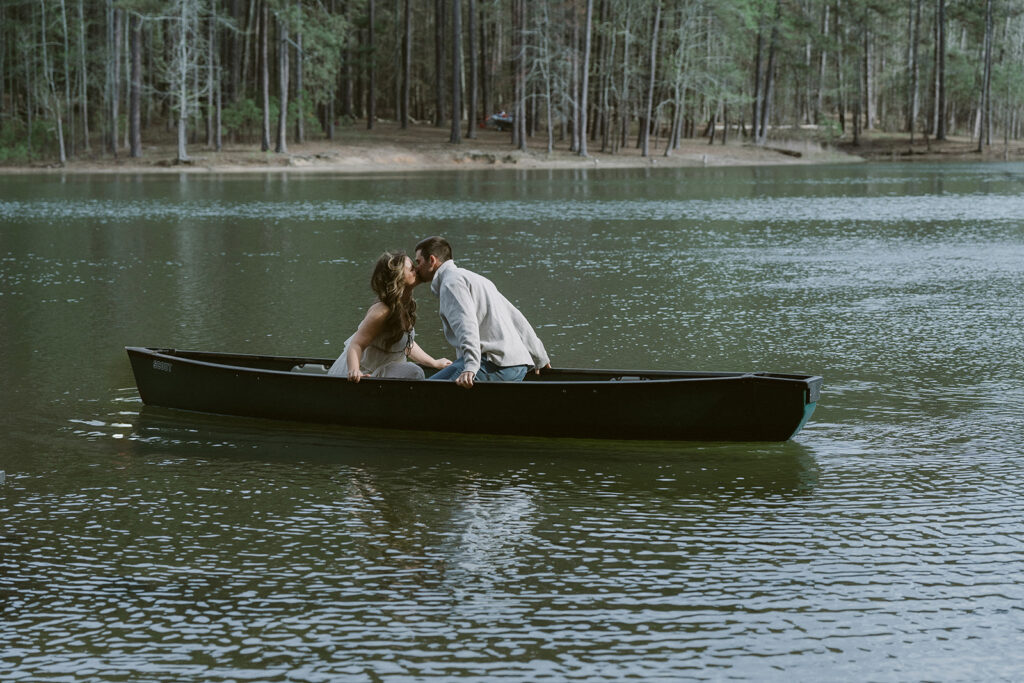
point(884, 542)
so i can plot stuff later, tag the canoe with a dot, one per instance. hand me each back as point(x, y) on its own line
point(561, 402)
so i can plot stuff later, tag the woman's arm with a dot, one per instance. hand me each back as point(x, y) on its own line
point(368, 330)
point(418, 355)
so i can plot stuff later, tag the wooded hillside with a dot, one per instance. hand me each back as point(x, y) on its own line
point(82, 78)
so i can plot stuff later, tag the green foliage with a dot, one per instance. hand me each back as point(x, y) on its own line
point(963, 77)
point(309, 118)
point(323, 37)
point(18, 146)
point(13, 153)
point(829, 131)
point(243, 119)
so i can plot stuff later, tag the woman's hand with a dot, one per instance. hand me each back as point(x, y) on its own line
point(355, 374)
point(441, 363)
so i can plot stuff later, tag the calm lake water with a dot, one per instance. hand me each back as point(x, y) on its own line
point(885, 542)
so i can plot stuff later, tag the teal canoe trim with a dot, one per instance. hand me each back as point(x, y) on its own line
point(808, 411)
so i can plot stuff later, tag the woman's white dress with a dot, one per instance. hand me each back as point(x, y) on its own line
point(380, 361)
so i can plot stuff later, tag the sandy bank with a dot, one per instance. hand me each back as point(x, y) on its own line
point(389, 149)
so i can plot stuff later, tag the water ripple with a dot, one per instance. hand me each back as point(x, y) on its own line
point(895, 209)
point(883, 543)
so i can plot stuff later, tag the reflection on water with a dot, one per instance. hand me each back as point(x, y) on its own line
point(882, 543)
point(414, 553)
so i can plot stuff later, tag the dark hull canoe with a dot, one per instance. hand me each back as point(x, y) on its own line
point(606, 404)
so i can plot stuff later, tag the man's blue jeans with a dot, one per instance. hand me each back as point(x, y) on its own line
point(488, 372)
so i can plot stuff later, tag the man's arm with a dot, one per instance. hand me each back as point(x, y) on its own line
point(457, 307)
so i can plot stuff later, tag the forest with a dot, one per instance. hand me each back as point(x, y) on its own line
point(93, 78)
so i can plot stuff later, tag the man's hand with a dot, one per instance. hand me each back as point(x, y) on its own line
point(546, 367)
point(465, 380)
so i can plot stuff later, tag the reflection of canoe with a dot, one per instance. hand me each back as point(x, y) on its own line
point(618, 404)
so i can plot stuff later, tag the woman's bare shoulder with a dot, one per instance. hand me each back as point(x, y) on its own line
point(379, 310)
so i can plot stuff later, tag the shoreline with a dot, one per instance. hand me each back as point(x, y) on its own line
point(421, 148)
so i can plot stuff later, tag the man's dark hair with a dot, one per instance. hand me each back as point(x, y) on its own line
point(435, 246)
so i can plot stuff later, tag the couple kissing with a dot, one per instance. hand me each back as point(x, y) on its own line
point(493, 341)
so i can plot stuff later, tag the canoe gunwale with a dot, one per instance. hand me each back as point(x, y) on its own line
point(601, 377)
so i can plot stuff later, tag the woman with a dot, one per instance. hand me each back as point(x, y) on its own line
point(386, 338)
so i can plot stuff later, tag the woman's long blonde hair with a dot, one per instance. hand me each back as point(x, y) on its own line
point(388, 283)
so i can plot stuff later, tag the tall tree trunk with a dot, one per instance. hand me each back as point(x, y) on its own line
point(282, 79)
point(597, 106)
point(585, 85)
point(474, 73)
point(516, 84)
point(520, 116)
point(396, 57)
point(985, 132)
point(650, 81)
point(485, 66)
point(371, 75)
point(439, 63)
point(574, 79)
point(250, 51)
point(194, 70)
point(869, 78)
point(456, 135)
point(546, 62)
point(51, 88)
point(148, 103)
point(619, 138)
point(68, 106)
point(940, 70)
point(181, 48)
point(328, 111)
point(348, 85)
point(914, 105)
point(135, 98)
point(125, 70)
point(3, 77)
point(265, 72)
point(840, 78)
point(211, 73)
point(769, 78)
point(218, 140)
point(681, 67)
point(235, 55)
point(822, 65)
point(29, 83)
point(406, 64)
point(758, 95)
point(606, 86)
point(300, 118)
point(858, 105)
point(808, 84)
point(115, 84)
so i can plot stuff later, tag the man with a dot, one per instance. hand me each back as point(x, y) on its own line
point(493, 340)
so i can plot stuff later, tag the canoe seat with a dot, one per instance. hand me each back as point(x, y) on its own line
point(311, 369)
